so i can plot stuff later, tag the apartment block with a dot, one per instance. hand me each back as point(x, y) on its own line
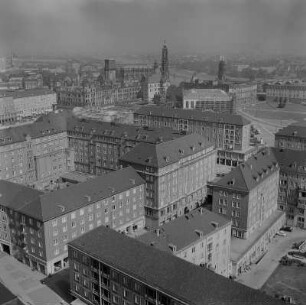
point(200, 237)
point(292, 185)
point(34, 154)
point(176, 173)
point(291, 137)
point(99, 145)
point(225, 131)
point(101, 274)
point(39, 225)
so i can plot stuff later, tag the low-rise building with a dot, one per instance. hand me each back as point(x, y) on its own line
point(226, 131)
point(291, 137)
point(176, 173)
point(215, 100)
point(101, 274)
point(292, 185)
point(39, 225)
point(200, 237)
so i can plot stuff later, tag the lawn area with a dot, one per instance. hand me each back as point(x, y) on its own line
point(288, 280)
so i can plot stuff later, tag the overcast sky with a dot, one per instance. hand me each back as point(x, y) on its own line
point(97, 26)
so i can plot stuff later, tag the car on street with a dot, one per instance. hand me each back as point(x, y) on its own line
point(281, 233)
point(287, 229)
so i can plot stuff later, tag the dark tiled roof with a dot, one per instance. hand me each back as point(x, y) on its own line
point(289, 158)
point(32, 92)
point(298, 131)
point(34, 130)
point(181, 232)
point(250, 173)
point(207, 116)
point(174, 276)
point(54, 204)
point(163, 154)
point(6, 297)
point(128, 132)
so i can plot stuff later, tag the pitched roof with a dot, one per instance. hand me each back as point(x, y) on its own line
point(289, 158)
point(6, 297)
point(184, 231)
point(32, 92)
point(206, 116)
point(249, 174)
point(46, 206)
point(206, 95)
point(162, 154)
point(187, 282)
point(116, 130)
point(298, 131)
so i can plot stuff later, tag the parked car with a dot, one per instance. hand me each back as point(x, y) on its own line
point(287, 229)
point(281, 233)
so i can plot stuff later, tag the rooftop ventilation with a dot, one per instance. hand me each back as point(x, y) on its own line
point(199, 232)
point(231, 182)
point(157, 232)
point(62, 208)
point(88, 198)
point(166, 158)
point(172, 247)
point(133, 181)
point(201, 211)
point(112, 189)
point(214, 224)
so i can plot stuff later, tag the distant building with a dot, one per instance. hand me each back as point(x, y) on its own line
point(292, 185)
point(201, 237)
point(224, 131)
point(291, 137)
point(127, 73)
point(292, 92)
point(33, 81)
point(39, 225)
point(8, 113)
point(101, 274)
point(99, 145)
point(248, 196)
point(34, 154)
point(208, 100)
point(176, 173)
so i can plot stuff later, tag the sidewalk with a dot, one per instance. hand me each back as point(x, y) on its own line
point(260, 273)
point(25, 283)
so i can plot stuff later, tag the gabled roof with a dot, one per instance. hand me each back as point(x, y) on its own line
point(162, 154)
point(184, 231)
point(180, 279)
point(249, 174)
point(206, 116)
point(206, 94)
point(298, 131)
point(289, 158)
point(46, 206)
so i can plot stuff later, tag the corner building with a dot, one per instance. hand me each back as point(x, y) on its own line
point(39, 225)
point(176, 173)
point(291, 137)
point(110, 268)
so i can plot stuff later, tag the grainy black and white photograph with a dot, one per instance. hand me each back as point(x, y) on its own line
point(152, 152)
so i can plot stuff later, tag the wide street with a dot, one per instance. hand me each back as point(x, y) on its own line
point(25, 283)
point(260, 273)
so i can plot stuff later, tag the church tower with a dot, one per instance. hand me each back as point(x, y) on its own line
point(164, 63)
point(221, 69)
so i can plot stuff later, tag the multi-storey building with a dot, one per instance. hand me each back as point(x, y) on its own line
point(215, 100)
point(133, 72)
point(35, 154)
point(292, 92)
point(226, 131)
point(292, 185)
point(248, 196)
point(8, 114)
point(33, 102)
point(176, 173)
point(99, 145)
point(39, 225)
point(33, 81)
point(110, 268)
point(291, 137)
point(201, 237)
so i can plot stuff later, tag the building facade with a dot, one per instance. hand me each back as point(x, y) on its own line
point(226, 131)
point(248, 194)
point(208, 100)
point(8, 114)
point(39, 225)
point(176, 174)
point(35, 154)
point(154, 87)
point(99, 145)
point(291, 137)
point(292, 186)
point(100, 274)
point(201, 237)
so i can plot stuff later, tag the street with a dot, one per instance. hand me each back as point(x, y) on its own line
point(260, 273)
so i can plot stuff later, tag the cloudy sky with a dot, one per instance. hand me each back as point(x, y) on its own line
point(97, 26)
